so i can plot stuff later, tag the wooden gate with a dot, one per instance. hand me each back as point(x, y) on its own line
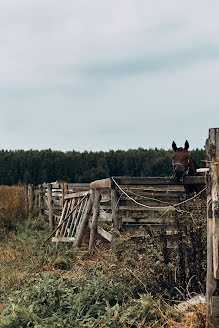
point(75, 211)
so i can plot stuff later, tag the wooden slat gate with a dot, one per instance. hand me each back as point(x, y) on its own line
point(75, 211)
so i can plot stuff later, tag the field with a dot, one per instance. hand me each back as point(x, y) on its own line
point(126, 284)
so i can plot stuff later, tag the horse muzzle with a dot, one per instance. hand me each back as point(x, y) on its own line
point(179, 171)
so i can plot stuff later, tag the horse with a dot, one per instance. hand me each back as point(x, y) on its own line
point(183, 165)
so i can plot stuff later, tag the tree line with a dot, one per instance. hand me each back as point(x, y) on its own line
point(36, 167)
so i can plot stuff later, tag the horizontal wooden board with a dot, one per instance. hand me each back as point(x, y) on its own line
point(155, 203)
point(147, 181)
point(155, 193)
point(77, 194)
point(137, 208)
point(78, 185)
point(152, 227)
point(107, 217)
point(63, 239)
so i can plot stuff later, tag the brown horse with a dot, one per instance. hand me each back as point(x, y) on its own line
point(183, 165)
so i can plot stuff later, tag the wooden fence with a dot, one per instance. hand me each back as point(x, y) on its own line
point(212, 286)
point(127, 204)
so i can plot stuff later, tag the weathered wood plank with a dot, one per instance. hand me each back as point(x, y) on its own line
point(115, 209)
point(151, 220)
point(63, 239)
point(50, 207)
point(147, 181)
point(96, 207)
point(137, 208)
point(77, 194)
point(212, 282)
point(105, 234)
point(84, 221)
point(101, 184)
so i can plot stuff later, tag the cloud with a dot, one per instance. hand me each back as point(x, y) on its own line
point(100, 75)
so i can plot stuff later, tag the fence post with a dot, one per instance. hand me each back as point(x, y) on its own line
point(115, 208)
point(41, 212)
point(84, 221)
point(64, 191)
point(50, 206)
point(96, 207)
point(212, 281)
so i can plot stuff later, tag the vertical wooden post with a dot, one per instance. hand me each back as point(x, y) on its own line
point(212, 282)
point(41, 201)
point(64, 191)
point(96, 207)
point(115, 208)
point(84, 221)
point(30, 199)
point(50, 206)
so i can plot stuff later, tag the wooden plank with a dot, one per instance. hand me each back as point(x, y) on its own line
point(78, 185)
point(84, 221)
point(212, 153)
point(150, 220)
point(62, 229)
point(50, 207)
point(148, 202)
point(104, 216)
point(137, 208)
point(79, 215)
point(115, 209)
point(96, 206)
point(77, 194)
point(152, 227)
point(147, 181)
point(63, 239)
point(155, 193)
point(107, 217)
point(101, 184)
point(105, 234)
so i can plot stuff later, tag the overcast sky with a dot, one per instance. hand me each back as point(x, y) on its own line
point(108, 74)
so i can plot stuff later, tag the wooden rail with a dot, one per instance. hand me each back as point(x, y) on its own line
point(149, 198)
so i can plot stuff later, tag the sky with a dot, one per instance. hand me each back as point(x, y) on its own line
point(108, 74)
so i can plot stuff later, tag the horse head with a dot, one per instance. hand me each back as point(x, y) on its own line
point(182, 162)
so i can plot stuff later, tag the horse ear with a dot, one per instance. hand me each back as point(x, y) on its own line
point(186, 145)
point(174, 146)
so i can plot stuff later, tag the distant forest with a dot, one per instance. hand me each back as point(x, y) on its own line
point(36, 167)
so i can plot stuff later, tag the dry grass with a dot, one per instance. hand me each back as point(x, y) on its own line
point(13, 261)
point(12, 206)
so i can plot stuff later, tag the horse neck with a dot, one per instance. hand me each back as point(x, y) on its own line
point(192, 168)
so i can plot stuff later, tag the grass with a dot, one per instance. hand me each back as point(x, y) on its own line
point(58, 286)
point(12, 207)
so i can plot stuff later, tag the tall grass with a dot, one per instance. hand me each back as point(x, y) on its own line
point(132, 286)
point(12, 206)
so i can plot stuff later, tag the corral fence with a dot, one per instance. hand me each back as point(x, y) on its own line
point(137, 206)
